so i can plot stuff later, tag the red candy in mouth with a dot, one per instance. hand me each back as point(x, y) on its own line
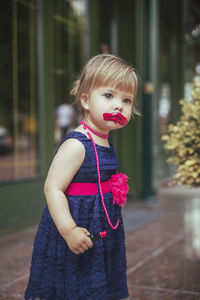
point(115, 117)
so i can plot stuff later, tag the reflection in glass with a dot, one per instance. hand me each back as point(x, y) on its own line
point(179, 46)
point(192, 227)
point(192, 39)
point(18, 103)
point(69, 58)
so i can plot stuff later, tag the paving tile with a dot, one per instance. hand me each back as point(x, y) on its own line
point(15, 290)
point(163, 257)
point(143, 242)
point(150, 293)
point(15, 253)
point(172, 269)
point(134, 219)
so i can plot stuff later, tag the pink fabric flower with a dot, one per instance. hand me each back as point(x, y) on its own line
point(119, 188)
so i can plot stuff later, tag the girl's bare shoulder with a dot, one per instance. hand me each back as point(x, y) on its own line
point(66, 163)
point(71, 147)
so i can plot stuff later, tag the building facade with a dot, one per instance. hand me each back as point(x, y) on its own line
point(44, 45)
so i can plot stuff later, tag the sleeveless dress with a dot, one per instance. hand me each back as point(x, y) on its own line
point(56, 273)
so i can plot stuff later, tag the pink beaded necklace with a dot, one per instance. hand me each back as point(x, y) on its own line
point(85, 125)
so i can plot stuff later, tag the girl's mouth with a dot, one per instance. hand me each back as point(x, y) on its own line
point(115, 117)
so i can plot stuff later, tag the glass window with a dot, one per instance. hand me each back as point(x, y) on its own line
point(69, 59)
point(192, 43)
point(179, 38)
point(19, 123)
point(167, 69)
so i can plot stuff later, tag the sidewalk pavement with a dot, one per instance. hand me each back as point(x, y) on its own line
point(163, 249)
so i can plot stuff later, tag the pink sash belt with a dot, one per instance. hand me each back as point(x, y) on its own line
point(87, 188)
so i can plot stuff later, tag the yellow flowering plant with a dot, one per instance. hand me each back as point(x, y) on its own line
point(183, 141)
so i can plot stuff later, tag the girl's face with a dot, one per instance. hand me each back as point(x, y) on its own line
point(108, 108)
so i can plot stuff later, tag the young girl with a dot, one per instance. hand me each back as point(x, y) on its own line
point(84, 194)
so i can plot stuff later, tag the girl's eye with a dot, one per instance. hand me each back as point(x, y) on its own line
point(127, 100)
point(108, 95)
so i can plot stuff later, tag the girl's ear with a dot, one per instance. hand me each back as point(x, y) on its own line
point(85, 101)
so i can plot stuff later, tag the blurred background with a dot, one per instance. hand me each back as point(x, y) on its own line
point(43, 46)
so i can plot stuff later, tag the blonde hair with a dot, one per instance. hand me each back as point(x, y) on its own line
point(106, 70)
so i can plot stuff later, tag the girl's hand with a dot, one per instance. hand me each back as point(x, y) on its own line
point(78, 241)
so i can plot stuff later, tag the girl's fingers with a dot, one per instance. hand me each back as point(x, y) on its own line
point(78, 251)
point(86, 231)
point(89, 242)
point(84, 247)
point(81, 251)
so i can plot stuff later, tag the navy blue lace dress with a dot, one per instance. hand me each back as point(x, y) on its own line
point(99, 273)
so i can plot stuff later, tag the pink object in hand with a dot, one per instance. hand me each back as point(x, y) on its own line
point(103, 234)
point(97, 236)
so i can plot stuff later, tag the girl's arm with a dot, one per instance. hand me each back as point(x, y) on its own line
point(64, 166)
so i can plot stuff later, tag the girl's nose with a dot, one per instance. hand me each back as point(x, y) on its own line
point(118, 104)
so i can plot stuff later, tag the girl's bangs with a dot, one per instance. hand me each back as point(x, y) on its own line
point(123, 82)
